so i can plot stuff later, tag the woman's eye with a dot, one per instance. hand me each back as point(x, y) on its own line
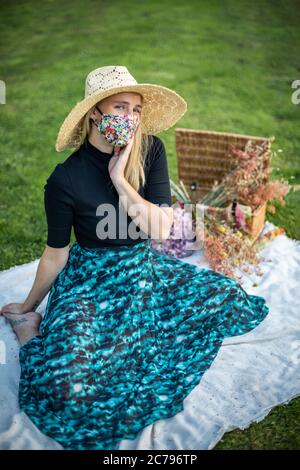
point(138, 110)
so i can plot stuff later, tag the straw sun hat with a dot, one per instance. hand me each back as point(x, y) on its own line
point(162, 107)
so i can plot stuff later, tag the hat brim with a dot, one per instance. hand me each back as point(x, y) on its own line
point(162, 108)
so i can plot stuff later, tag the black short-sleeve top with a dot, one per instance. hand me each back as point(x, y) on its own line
point(79, 190)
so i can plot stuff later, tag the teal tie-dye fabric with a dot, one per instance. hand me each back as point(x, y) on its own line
point(127, 334)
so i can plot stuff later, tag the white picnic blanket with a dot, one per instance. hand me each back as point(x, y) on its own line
point(251, 374)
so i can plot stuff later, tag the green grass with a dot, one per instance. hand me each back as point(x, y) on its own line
point(233, 62)
point(280, 430)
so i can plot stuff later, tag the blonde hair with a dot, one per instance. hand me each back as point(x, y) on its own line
point(134, 170)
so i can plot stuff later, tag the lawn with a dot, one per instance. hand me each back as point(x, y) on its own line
point(233, 62)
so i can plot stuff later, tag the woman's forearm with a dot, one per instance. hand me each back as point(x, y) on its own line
point(47, 271)
point(152, 220)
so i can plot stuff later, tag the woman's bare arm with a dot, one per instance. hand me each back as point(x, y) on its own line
point(51, 263)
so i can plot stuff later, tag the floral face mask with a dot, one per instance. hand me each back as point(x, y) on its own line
point(117, 129)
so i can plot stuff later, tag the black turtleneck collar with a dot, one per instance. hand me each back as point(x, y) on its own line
point(95, 152)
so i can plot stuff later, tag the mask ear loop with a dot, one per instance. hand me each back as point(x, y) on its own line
point(99, 109)
point(136, 121)
point(96, 106)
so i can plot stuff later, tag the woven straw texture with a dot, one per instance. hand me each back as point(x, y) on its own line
point(162, 107)
point(203, 158)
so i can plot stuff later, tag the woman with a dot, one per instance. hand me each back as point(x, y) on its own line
point(128, 331)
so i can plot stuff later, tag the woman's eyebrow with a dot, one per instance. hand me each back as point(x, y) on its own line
point(126, 102)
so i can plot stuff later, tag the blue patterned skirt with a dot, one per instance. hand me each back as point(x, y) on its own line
point(127, 334)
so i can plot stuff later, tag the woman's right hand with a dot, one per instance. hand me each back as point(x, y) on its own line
point(12, 308)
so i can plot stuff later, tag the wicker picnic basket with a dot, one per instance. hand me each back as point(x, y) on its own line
point(202, 158)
